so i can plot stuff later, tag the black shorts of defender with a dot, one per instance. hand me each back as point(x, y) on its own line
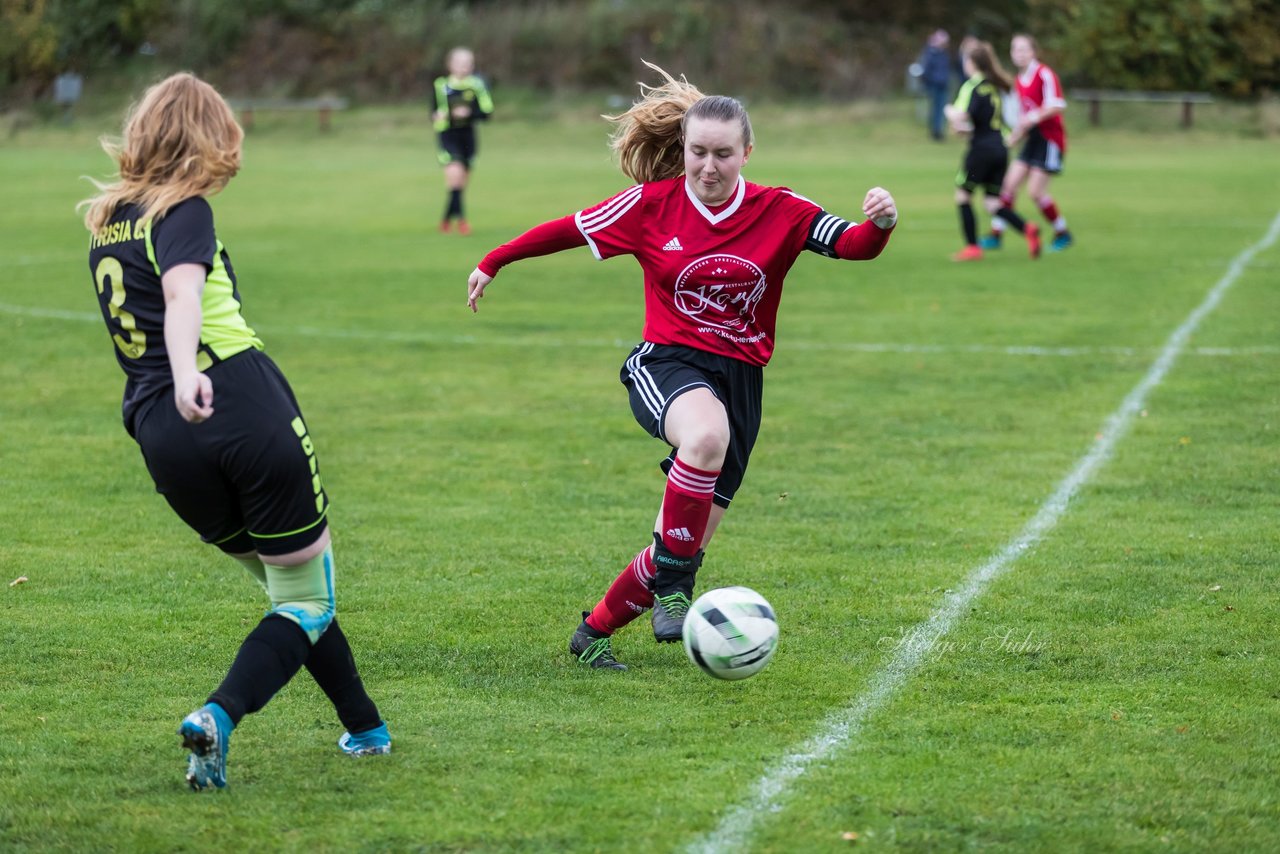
point(247, 478)
point(656, 374)
point(984, 166)
point(1039, 153)
point(457, 145)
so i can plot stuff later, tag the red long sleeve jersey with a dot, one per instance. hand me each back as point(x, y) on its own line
point(713, 278)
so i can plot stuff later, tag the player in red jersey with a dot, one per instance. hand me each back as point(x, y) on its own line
point(714, 249)
point(1041, 125)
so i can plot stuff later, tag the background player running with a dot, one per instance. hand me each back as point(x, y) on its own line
point(1045, 146)
point(461, 100)
point(243, 474)
point(714, 250)
point(978, 114)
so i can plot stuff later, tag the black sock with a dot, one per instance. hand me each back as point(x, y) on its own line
point(1008, 215)
point(333, 667)
point(267, 660)
point(455, 205)
point(968, 224)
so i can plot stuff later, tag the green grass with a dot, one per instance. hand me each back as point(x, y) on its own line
point(488, 481)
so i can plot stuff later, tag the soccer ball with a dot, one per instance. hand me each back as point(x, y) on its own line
point(730, 632)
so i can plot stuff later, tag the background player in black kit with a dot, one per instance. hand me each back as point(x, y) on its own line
point(219, 428)
point(978, 114)
point(461, 100)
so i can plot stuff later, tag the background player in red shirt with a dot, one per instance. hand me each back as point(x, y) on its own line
point(238, 467)
point(714, 249)
point(1042, 155)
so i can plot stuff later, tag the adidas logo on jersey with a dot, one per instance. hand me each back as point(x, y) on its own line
point(673, 245)
point(681, 534)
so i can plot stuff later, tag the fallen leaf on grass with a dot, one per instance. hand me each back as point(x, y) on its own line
point(21, 579)
point(849, 836)
point(1215, 588)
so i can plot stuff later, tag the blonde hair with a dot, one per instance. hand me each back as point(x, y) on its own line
point(649, 137)
point(181, 140)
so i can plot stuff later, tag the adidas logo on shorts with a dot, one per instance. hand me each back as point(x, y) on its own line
point(673, 245)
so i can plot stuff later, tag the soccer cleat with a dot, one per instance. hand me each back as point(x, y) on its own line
point(969, 253)
point(205, 732)
point(463, 228)
point(1061, 241)
point(444, 226)
point(989, 241)
point(668, 616)
point(592, 648)
point(1033, 240)
point(373, 742)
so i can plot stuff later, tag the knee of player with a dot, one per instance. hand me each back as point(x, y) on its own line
point(312, 616)
point(706, 446)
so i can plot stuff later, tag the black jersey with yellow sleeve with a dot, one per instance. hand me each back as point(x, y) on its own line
point(471, 92)
point(127, 257)
point(980, 98)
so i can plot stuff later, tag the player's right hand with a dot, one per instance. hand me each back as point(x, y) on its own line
point(193, 395)
point(476, 283)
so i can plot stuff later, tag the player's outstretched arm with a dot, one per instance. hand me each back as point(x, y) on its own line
point(476, 283)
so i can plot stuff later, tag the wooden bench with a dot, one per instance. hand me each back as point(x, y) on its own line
point(1095, 97)
point(323, 107)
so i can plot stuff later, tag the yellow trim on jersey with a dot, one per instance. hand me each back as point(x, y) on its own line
point(223, 330)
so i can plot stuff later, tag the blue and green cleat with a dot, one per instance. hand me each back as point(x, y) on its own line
point(371, 742)
point(1061, 241)
point(989, 241)
point(206, 733)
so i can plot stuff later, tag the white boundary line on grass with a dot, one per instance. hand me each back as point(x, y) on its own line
point(840, 727)
point(620, 344)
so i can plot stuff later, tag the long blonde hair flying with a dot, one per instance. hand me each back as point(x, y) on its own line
point(180, 140)
point(649, 137)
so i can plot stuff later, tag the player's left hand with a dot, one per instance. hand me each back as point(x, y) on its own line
point(879, 207)
point(476, 283)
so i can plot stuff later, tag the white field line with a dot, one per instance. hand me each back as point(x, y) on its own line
point(527, 341)
point(735, 829)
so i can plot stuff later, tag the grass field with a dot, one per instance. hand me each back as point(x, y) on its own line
point(1115, 688)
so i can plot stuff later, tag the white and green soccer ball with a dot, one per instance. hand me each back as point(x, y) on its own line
point(730, 632)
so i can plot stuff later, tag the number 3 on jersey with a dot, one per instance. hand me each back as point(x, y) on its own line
point(133, 343)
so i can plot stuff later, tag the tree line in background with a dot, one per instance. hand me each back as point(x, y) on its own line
point(390, 49)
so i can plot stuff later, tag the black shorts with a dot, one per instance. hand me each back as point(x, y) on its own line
point(246, 479)
point(984, 166)
point(1040, 153)
point(656, 374)
point(457, 145)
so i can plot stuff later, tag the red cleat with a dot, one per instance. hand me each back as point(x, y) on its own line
point(444, 226)
point(969, 253)
point(1033, 240)
point(463, 228)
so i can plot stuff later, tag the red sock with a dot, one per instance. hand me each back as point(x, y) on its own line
point(685, 507)
point(628, 597)
point(1049, 209)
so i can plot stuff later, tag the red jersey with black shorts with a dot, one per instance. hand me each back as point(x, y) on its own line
point(713, 281)
point(1039, 87)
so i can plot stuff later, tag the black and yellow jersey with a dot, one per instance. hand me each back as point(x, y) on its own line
point(127, 258)
point(470, 92)
point(980, 98)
